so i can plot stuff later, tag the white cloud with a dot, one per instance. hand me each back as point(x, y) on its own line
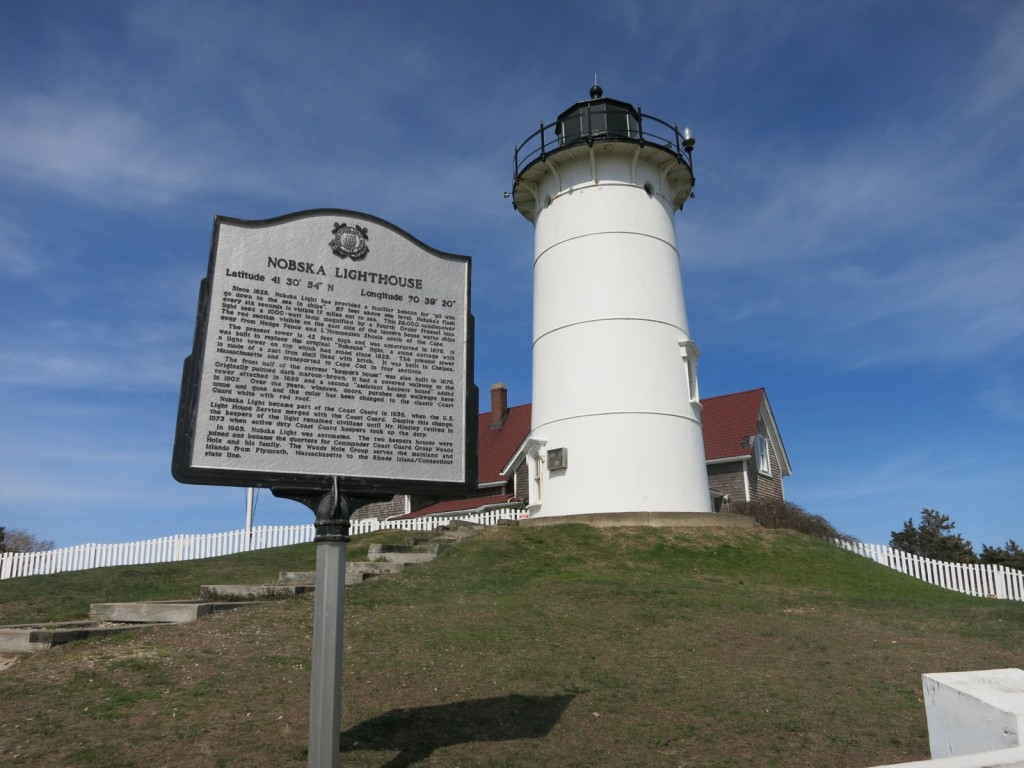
point(999, 77)
point(68, 354)
point(1003, 396)
point(899, 246)
point(15, 257)
point(932, 308)
point(109, 153)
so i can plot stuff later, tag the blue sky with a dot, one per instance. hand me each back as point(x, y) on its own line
point(855, 246)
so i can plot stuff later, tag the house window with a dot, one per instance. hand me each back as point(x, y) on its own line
point(761, 455)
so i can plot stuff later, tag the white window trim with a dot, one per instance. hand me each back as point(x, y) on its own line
point(762, 454)
point(532, 451)
point(690, 353)
point(536, 458)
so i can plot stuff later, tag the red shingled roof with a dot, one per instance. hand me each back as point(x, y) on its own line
point(496, 446)
point(728, 420)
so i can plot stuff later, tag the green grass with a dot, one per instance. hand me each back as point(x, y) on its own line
point(558, 646)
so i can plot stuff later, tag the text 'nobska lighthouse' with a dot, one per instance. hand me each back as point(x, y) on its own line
point(616, 412)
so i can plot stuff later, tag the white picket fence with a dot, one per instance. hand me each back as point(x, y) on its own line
point(970, 578)
point(973, 579)
point(194, 547)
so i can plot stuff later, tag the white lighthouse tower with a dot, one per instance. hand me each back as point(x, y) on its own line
point(616, 412)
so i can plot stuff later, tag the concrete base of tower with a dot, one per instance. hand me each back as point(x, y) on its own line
point(649, 519)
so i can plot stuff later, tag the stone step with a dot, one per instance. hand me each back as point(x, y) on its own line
point(405, 558)
point(29, 638)
point(373, 569)
point(252, 591)
point(378, 549)
point(399, 553)
point(308, 578)
point(296, 577)
point(158, 611)
point(358, 572)
point(105, 619)
point(432, 547)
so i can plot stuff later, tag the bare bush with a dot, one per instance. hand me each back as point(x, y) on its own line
point(14, 540)
point(786, 514)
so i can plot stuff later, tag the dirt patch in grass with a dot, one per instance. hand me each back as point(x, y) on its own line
point(524, 647)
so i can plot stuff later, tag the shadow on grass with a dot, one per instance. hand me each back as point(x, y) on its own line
point(417, 732)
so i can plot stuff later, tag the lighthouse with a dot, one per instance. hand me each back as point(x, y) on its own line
point(616, 411)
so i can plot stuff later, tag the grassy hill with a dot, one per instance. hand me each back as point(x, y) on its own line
point(563, 646)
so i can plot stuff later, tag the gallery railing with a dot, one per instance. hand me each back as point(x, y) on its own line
point(602, 121)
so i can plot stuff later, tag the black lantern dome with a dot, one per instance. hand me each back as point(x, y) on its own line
point(599, 120)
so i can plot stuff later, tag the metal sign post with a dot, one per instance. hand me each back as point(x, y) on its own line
point(333, 513)
point(332, 525)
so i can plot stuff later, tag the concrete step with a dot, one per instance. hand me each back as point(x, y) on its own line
point(296, 577)
point(432, 547)
point(252, 591)
point(358, 572)
point(377, 549)
point(28, 638)
point(353, 568)
point(405, 558)
point(158, 611)
point(423, 551)
point(104, 619)
point(373, 569)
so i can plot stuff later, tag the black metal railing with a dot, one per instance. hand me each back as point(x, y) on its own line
point(597, 122)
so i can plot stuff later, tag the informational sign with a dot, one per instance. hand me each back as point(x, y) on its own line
point(329, 343)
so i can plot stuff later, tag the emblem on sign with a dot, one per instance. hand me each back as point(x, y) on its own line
point(350, 241)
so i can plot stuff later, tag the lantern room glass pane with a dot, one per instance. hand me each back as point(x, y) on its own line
point(602, 120)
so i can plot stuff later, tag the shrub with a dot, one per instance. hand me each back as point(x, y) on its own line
point(1012, 555)
point(14, 540)
point(786, 514)
point(933, 537)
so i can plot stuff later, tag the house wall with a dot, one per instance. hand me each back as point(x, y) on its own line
point(728, 479)
point(382, 509)
point(522, 482)
point(395, 506)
